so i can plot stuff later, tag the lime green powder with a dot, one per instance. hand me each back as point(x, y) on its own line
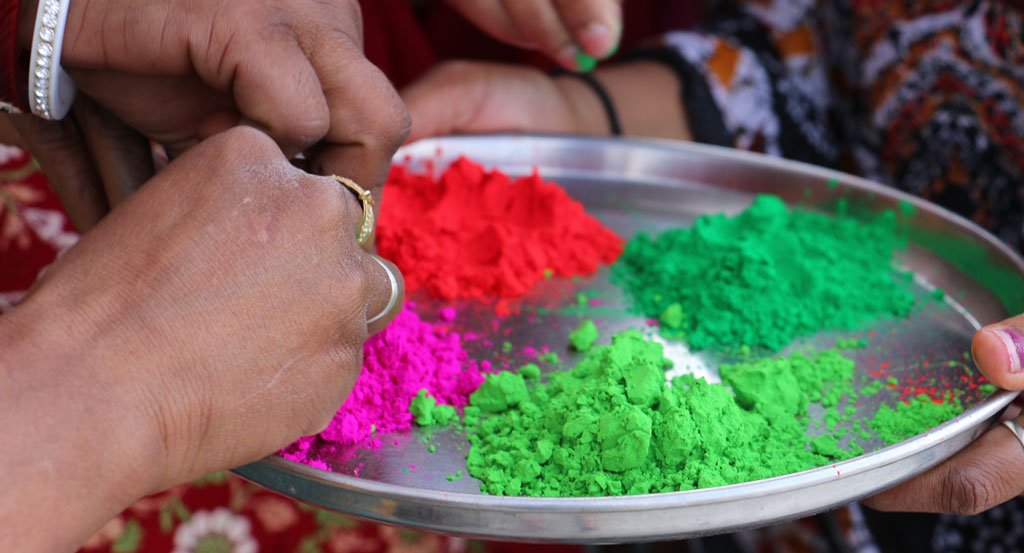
point(911, 418)
point(611, 425)
point(426, 412)
point(765, 276)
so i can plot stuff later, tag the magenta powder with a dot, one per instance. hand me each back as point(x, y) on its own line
point(409, 355)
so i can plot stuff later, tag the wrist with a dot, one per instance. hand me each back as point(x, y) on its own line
point(74, 450)
point(583, 105)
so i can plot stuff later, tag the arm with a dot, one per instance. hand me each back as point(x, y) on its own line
point(196, 328)
point(76, 451)
point(495, 98)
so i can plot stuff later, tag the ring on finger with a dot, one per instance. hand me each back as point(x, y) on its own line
point(380, 319)
point(1018, 431)
point(365, 197)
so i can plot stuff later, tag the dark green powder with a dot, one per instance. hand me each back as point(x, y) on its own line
point(765, 276)
point(611, 425)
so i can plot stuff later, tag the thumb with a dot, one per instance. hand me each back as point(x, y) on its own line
point(999, 352)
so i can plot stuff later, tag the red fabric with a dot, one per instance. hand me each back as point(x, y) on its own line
point(10, 90)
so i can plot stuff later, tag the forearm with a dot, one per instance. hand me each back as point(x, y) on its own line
point(65, 445)
point(646, 95)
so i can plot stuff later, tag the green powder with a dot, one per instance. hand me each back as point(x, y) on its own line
point(912, 418)
point(499, 392)
point(426, 411)
point(611, 425)
point(765, 276)
point(852, 343)
point(583, 337)
point(530, 371)
point(549, 356)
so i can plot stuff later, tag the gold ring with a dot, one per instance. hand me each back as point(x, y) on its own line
point(364, 196)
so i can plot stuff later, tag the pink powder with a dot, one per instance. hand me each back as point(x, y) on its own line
point(409, 355)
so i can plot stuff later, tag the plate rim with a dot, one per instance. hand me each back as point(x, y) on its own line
point(966, 421)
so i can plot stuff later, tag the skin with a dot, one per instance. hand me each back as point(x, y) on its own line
point(495, 98)
point(565, 30)
point(180, 71)
point(195, 328)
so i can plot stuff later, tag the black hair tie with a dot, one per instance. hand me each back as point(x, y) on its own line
point(602, 94)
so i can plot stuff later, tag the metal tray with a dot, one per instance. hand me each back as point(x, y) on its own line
point(647, 185)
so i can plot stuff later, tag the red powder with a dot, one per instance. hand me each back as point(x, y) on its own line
point(479, 234)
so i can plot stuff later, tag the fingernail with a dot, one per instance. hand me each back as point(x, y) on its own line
point(567, 56)
point(585, 63)
point(1013, 342)
point(596, 39)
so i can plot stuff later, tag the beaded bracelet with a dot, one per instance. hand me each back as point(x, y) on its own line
point(51, 91)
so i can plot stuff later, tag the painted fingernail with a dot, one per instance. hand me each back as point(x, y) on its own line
point(585, 63)
point(1013, 342)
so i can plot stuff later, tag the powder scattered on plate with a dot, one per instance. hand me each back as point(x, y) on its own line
point(474, 233)
point(611, 426)
point(408, 356)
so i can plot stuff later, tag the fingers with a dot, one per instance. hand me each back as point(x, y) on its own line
point(539, 23)
point(575, 33)
point(368, 120)
point(60, 149)
point(122, 157)
point(380, 285)
point(277, 90)
point(999, 353)
point(491, 17)
point(596, 25)
point(987, 473)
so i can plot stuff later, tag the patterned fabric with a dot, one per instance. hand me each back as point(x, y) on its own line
point(924, 95)
point(927, 96)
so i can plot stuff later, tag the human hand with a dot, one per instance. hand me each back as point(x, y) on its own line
point(473, 97)
point(179, 71)
point(213, 317)
point(991, 470)
point(575, 33)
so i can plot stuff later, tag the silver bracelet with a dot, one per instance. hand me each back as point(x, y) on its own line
point(51, 91)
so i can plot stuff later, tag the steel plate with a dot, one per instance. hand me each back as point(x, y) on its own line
point(649, 185)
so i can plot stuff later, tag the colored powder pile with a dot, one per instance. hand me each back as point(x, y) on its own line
point(478, 234)
point(410, 355)
point(911, 417)
point(612, 426)
point(765, 276)
point(584, 336)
